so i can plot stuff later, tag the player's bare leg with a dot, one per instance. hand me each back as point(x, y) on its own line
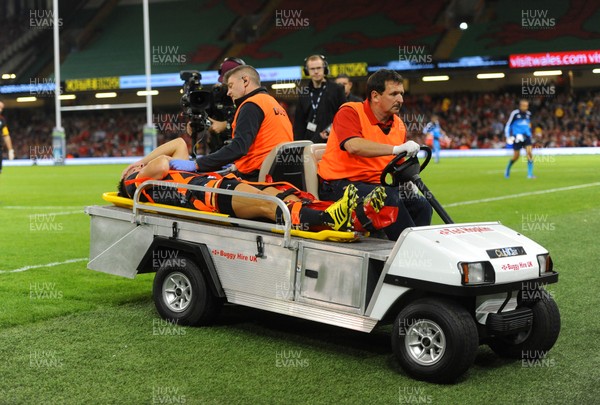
point(529, 150)
point(516, 154)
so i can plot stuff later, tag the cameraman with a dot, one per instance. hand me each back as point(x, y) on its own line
point(259, 125)
point(222, 111)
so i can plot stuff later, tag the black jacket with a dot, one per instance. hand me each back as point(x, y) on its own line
point(331, 100)
point(352, 97)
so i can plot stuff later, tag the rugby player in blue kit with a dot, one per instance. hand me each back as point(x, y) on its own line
point(518, 134)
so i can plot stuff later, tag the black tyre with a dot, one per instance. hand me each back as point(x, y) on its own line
point(435, 340)
point(182, 295)
point(535, 342)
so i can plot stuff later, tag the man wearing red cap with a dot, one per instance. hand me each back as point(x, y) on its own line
point(259, 125)
point(221, 124)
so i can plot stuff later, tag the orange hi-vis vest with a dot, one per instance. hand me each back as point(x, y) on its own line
point(338, 164)
point(275, 129)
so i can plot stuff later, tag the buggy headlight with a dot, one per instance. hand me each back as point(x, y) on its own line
point(477, 273)
point(545, 263)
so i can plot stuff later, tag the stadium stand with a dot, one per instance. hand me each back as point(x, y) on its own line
point(358, 31)
point(185, 34)
point(574, 25)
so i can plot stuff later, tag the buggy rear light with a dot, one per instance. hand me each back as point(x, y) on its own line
point(477, 273)
point(545, 263)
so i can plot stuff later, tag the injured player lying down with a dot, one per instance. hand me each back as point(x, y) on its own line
point(307, 213)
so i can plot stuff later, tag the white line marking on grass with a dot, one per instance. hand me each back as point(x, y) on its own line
point(37, 266)
point(42, 207)
point(530, 193)
point(63, 213)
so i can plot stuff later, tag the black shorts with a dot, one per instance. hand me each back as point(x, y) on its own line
point(519, 145)
point(171, 196)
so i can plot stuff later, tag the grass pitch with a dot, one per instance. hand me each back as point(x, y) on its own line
point(70, 335)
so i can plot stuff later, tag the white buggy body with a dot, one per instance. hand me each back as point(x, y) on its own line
point(447, 288)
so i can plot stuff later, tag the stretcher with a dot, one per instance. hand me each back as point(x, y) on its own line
point(323, 235)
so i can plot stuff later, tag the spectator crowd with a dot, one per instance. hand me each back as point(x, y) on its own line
point(471, 120)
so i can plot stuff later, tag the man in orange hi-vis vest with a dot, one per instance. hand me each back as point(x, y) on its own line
point(365, 136)
point(259, 125)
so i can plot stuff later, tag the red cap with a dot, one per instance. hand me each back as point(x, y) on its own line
point(226, 67)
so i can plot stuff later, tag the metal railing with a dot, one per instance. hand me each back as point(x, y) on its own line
point(255, 224)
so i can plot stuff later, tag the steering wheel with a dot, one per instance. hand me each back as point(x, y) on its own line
point(394, 173)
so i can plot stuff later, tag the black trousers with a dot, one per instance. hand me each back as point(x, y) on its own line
point(413, 209)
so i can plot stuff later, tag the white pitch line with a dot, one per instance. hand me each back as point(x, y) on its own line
point(506, 197)
point(37, 266)
point(53, 214)
point(42, 207)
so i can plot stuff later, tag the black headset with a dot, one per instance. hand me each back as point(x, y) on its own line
point(325, 65)
point(232, 59)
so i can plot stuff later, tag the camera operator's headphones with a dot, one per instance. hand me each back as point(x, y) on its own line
point(325, 64)
point(231, 59)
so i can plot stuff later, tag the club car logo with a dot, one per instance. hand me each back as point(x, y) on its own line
point(506, 252)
